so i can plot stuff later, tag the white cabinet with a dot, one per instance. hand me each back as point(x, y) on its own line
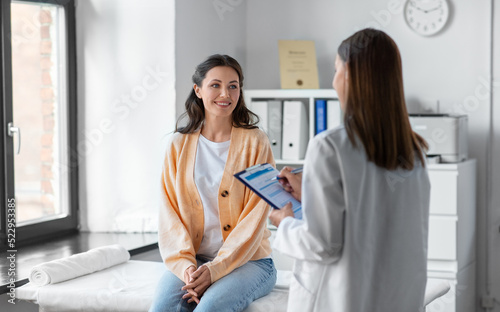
point(308, 97)
point(452, 234)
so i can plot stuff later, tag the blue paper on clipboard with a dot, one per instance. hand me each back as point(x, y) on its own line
point(259, 179)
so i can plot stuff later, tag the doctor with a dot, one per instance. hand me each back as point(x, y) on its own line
point(362, 244)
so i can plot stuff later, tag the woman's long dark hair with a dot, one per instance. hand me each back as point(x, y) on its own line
point(375, 108)
point(195, 111)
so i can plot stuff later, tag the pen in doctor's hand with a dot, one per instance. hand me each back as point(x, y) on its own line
point(294, 171)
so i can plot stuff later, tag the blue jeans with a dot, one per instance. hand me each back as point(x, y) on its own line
point(233, 292)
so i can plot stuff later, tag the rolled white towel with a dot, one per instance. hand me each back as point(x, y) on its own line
point(77, 265)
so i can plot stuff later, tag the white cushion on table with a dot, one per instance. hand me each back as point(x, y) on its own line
point(126, 287)
point(131, 286)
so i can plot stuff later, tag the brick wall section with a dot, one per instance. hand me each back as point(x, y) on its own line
point(47, 94)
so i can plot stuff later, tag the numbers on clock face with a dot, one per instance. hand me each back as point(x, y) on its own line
point(426, 17)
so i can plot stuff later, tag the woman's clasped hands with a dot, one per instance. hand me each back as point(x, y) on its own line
point(197, 281)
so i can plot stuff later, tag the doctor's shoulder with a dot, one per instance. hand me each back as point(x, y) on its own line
point(336, 136)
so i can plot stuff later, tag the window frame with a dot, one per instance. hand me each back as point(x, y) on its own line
point(43, 230)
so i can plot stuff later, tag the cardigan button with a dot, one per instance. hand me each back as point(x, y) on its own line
point(224, 193)
point(227, 227)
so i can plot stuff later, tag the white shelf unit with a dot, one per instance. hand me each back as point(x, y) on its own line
point(309, 96)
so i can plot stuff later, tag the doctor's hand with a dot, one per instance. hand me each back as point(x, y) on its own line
point(291, 182)
point(200, 280)
point(277, 215)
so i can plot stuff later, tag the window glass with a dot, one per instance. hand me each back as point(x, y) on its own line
point(39, 84)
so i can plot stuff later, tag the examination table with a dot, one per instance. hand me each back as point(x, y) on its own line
point(130, 285)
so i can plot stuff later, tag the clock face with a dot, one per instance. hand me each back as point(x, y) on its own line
point(426, 17)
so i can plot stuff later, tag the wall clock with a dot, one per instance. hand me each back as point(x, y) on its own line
point(426, 17)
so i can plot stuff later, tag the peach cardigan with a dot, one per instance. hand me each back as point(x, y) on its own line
point(242, 214)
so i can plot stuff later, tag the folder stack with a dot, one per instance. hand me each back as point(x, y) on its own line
point(270, 121)
point(286, 122)
point(327, 115)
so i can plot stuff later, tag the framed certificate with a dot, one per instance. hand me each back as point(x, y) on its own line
point(298, 65)
point(259, 179)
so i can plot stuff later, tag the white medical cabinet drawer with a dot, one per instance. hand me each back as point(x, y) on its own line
point(442, 243)
point(444, 186)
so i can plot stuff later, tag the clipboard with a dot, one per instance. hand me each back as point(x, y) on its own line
point(259, 179)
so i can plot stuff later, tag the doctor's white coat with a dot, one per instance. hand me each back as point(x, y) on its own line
point(362, 244)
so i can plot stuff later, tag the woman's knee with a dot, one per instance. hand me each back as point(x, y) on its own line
point(231, 294)
point(168, 294)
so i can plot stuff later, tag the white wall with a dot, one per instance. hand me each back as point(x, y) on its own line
point(126, 107)
point(203, 28)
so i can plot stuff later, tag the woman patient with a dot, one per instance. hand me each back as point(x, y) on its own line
point(212, 230)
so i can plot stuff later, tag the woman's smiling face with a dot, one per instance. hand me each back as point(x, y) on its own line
point(220, 91)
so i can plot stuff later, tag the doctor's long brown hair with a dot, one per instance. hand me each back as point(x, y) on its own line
point(375, 109)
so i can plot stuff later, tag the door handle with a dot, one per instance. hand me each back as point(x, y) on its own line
point(11, 131)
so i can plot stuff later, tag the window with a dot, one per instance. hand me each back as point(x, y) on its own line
point(39, 118)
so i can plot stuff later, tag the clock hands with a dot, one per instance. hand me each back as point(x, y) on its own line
point(436, 8)
point(422, 10)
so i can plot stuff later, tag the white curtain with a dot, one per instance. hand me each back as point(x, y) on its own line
point(126, 109)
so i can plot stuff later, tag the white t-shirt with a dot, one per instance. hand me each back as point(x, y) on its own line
point(208, 169)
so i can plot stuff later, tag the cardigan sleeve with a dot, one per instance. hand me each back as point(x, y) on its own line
point(174, 241)
point(243, 242)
